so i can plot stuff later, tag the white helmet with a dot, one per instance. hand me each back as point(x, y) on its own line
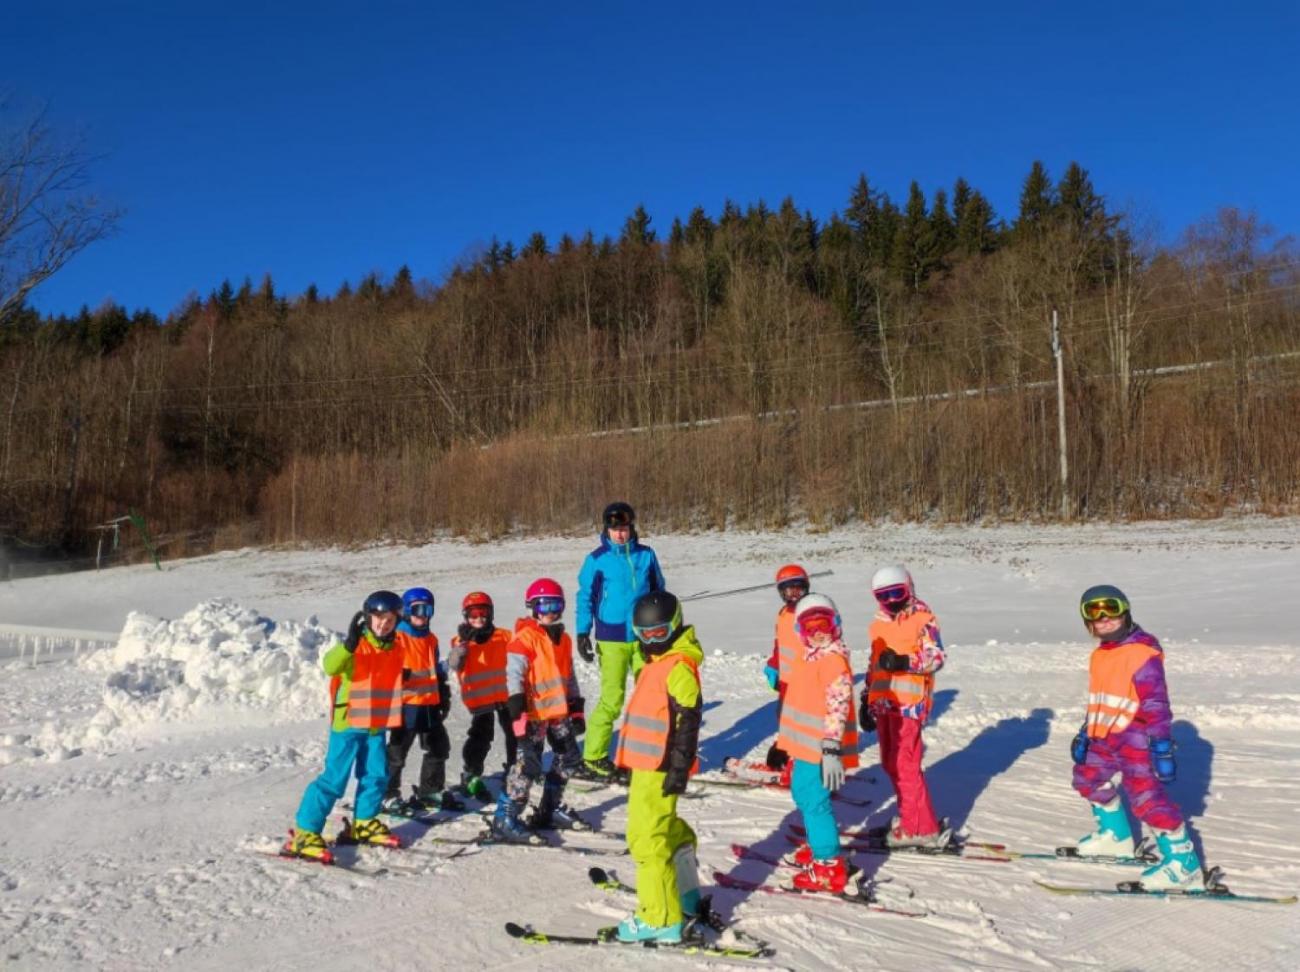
point(895, 575)
point(816, 604)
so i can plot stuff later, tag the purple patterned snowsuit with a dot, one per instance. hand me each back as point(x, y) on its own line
point(1126, 753)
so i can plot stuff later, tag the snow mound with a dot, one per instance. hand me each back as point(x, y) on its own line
point(218, 662)
point(219, 654)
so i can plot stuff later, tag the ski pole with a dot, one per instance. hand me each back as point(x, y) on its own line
point(745, 590)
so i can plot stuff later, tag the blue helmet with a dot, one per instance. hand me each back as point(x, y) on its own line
point(381, 602)
point(417, 595)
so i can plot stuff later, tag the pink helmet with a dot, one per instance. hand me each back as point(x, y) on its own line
point(542, 587)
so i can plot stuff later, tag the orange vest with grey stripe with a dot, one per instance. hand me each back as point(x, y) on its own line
point(803, 713)
point(643, 740)
point(420, 659)
point(1112, 696)
point(788, 646)
point(903, 635)
point(483, 677)
point(375, 690)
point(550, 666)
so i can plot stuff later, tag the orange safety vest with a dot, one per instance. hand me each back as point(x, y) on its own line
point(1112, 696)
point(903, 635)
point(803, 713)
point(643, 739)
point(420, 659)
point(375, 693)
point(788, 645)
point(550, 666)
point(483, 676)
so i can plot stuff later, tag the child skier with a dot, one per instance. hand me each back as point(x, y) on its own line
point(365, 672)
point(426, 699)
point(818, 731)
point(613, 576)
point(545, 705)
point(791, 584)
point(1126, 733)
point(906, 651)
point(478, 654)
point(658, 744)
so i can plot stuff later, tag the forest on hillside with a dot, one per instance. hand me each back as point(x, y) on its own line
point(753, 367)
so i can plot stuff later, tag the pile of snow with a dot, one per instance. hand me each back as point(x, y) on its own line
point(218, 659)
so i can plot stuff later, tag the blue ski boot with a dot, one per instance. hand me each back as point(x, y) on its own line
point(1113, 836)
point(633, 929)
point(551, 814)
point(506, 825)
point(1178, 868)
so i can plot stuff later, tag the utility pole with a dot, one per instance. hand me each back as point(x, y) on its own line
point(1060, 415)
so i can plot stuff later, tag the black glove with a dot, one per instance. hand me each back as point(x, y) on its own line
point(515, 705)
point(465, 632)
point(866, 721)
point(356, 631)
point(406, 675)
point(444, 701)
point(892, 661)
point(578, 715)
point(1079, 746)
point(584, 648)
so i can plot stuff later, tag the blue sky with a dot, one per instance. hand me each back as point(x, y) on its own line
point(321, 141)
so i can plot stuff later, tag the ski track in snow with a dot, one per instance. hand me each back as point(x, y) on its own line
point(141, 785)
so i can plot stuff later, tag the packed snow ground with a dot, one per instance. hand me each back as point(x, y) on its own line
point(139, 781)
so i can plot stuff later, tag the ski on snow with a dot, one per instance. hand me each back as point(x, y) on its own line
point(1214, 890)
point(733, 883)
point(609, 936)
point(739, 784)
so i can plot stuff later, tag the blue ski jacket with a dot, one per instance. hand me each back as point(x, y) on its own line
point(611, 579)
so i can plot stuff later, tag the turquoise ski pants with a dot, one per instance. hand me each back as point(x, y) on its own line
point(350, 750)
point(814, 802)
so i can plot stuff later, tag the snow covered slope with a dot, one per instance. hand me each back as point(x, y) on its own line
point(139, 782)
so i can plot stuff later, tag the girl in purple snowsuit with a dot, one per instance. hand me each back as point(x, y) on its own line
point(1127, 734)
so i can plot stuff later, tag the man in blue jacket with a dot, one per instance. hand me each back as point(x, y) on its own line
point(613, 576)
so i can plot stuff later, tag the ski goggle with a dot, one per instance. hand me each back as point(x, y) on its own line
point(478, 612)
point(892, 595)
point(654, 635)
point(815, 624)
point(548, 605)
point(420, 609)
point(619, 518)
point(1103, 607)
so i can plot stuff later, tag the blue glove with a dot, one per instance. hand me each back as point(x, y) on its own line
point(1079, 747)
point(772, 676)
point(1162, 760)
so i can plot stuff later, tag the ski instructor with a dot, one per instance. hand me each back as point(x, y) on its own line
point(613, 576)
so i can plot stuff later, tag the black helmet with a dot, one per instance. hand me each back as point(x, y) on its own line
point(618, 514)
point(656, 617)
point(381, 602)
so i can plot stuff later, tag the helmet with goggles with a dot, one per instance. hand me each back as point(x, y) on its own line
point(656, 617)
point(817, 614)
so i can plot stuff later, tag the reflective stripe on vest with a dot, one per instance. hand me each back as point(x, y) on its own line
point(904, 636)
point(375, 696)
point(788, 646)
point(420, 659)
point(1112, 696)
point(643, 738)
point(483, 677)
point(803, 712)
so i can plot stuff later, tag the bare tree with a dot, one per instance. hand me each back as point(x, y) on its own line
point(46, 216)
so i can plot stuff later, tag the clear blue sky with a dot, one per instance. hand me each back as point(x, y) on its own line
point(320, 141)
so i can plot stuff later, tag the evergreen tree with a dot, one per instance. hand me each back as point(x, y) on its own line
point(942, 228)
point(976, 232)
point(507, 254)
point(566, 244)
point(699, 228)
point(266, 291)
point(224, 299)
point(915, 255)
point(403, 286)
point(1035, 200)
point(1076, 200)
point(960, 196)
point(536, 246)
point(311, 296)
point(636, 229)
point(492, 259)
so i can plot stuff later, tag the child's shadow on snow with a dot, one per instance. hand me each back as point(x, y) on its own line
point(1191, 790)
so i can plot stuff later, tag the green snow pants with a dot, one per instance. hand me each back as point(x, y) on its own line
point(616, 658)
point(654, 836)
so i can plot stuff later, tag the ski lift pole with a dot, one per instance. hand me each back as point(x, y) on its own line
point(138, 521)
point(745, 590)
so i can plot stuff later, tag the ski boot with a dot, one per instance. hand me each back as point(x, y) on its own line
point(823, 876)
point(802, 856)
point(372, 831)
point(1113, 836)
point(600, 770)
point(633, 929)
point(474, 787)
point(506, 826)
point(1178, 868)
point(435, 800)
point(551, 814)
point(307, 845)
point(898, 838)
point(393, 803)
